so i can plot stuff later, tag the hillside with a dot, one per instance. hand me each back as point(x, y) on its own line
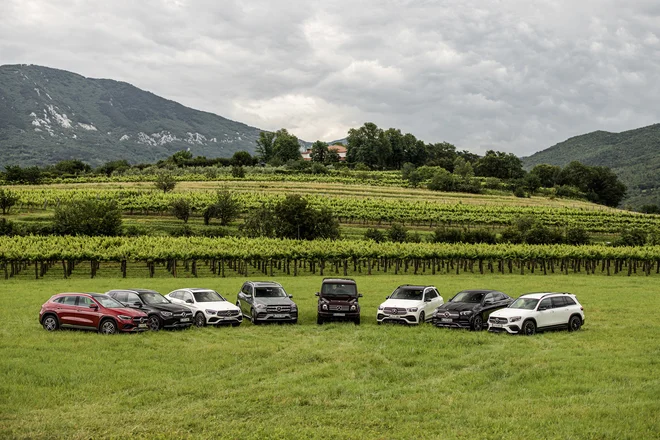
point(634, 155)
point(48, 115)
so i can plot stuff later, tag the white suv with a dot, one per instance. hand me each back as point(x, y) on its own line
point(410, 305)
point(537, 312)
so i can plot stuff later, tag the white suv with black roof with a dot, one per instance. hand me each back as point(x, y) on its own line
point(537, 312)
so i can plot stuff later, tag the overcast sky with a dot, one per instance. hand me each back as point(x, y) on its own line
point(511, 75)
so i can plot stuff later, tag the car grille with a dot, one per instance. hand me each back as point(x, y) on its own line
point(447, 314)
point(182, 315)
point(495, 320)
point(140, 320)
point(228, 313)
point(278, 309)
point(338, 308)
point(394, 311)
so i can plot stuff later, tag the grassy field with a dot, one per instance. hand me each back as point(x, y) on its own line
point(338, 380)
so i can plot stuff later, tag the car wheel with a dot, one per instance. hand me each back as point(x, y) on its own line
point(477, 323)
point(319, 320)
point(357, 321)
point(253, 317)
point(574, 324)
point(50, 323)
point(200, 319)
point(528, 328)
point(421, 318)
point(154, 323)
point(108, 327)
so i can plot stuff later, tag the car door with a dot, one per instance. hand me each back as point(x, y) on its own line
point(243, 298)
point(431, 302)
point(67, 310)
point(488, 305)
point(188, 299)
point(545, 313)
point(561, 310)
point(175, 297)
point(133, 301)
point(88, 316)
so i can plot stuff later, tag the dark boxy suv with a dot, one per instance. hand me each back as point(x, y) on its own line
point(92, 311)
point(470, 309)
point(161, 311)
point(266, 301)
point(338, 301)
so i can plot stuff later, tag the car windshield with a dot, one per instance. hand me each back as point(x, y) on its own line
point(338, 289)
point(408, 293)
point(108, 302)
point(269, 292)
point(153, 298)
point(468, 296)
point(524, 303)
point(207, 296)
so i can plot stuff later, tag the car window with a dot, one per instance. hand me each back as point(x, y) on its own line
point(70, 300)
point(176, 294)
point(132, 298)
point(499, 296)
point(569, 301)
point(83, 301)
point(250, 290)
point(119, 296)
point(244, 289)
point(558, 301)
point(59, 300)
point(546, 303)
point(186, 296)
point(490, 297)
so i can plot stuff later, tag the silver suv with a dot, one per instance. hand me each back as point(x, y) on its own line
point(266, 301)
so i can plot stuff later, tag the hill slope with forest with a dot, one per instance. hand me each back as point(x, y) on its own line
point(48, 115)
point(633, 155)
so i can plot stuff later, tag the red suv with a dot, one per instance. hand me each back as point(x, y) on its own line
point(90, 311)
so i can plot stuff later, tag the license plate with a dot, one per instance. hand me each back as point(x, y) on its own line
point(185, 319)
point(446, 320)
point(496, 325)
point(142, 325)
point(339, 314)
point(280, 316)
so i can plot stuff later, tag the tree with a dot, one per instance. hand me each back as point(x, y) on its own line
point(73, 167)
point(547, 174)
point(600, 184)
point(286, 146)
point(242, 159)
point(114, 166)
point(165, 182)
point(332, 157)
point(14, 173)
point(500, 165)
point(319, 152)
point(238, 172)
point(7, 200)
point(368, 145)
point(441, 154)
point(374, 234)
point(226, 208)
point(181, 209)
point(265, 148)
point(463, 169)
point(6, 227)
point(88, 217)
point(397, 233)
point(260, 222)
point(442, 180)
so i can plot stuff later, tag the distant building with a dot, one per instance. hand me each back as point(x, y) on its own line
point(340, 149)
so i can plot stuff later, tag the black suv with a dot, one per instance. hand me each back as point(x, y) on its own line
point(470, 309)
point(162, 313)
point(266, 301)
point(338, 300)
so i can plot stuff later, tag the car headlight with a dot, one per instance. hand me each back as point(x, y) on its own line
point(210, 312)
point(125, 318)
point(514, 319)
point(294, 307)
point(412, 309)
point(380, 307)
point(353, 308)
point(260, 306)
point(324, 307)
point(466, 313)
point(166, 314)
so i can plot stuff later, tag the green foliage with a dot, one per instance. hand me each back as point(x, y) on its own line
point(6, 227)
point(226, 208)
point(242, 159)
point(632, 237)
point(7, 200)
point(71, 167)
point(265, 148)
point(16, 174)
point(260, 222)
point(319, 152)
point(374, 234)
point(181, 209)
point(442, 181)
point(165, 182)
point(463, 169)
point(88, 217)
point(577, 235)
point(599, 184)
point(295, 219)
point(286, 146)
point(116, 166)
point(548, 175)
point(650, 209)
point(446, 235)
point(397, 233)
point(182, 231)
point(500, 165)
point(368, 145)
point(474, 236)
point(318, 168)
point(238, 172)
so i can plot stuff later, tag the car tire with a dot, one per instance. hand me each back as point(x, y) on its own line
point(108, 327)
point(477, 323)
point(154, 323)
point(50, 323)
point(574, 323)
point(356, 321)
point(319, 320)
point(528, 328)
point(420, 320)
point(200, 320)
point(253, 317)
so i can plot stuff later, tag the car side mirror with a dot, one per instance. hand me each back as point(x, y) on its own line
point(541, 308)
point(427, 300)
point(189, 301)
point(93, 306)
point(360, 295)
point(290, 296)
point(137, 304)
point(317, 294)
point(489, 302)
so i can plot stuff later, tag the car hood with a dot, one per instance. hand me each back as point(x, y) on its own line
point(458, 306)
point(508, 313)
point(134, 313)
point(402, 303)
point(215, 305)
point(281, 301)
point(174, 308)
point(342, 299)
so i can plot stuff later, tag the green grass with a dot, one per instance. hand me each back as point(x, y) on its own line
point(337, 380)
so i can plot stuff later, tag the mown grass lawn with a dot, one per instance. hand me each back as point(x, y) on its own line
point(337, 380)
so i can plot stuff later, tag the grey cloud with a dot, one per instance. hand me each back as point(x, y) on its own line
point(514, 75)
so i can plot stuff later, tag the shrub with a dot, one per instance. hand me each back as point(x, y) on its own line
point(181, 209)
point(182, 231)
point(374, 235)
point(318, 168)
point(7, 200)
point(134, 231)
point(6, 227)
point(478, 236)
point(442, 180)
point(238, 172)
point(165, 182)
point(214, 232)
point(88, 217)
point(445, 235)
point(414, 237)
point(632, 237)
point(226, 209)
point(577, 235)
point(397, 233)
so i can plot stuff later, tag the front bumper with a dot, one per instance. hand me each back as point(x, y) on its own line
point(177, 323)
point(217, 320)
point(131, 327)
point(512, 328)
point(338, 316)
point(277, 317)
point(459, 322)
point(408, 318)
